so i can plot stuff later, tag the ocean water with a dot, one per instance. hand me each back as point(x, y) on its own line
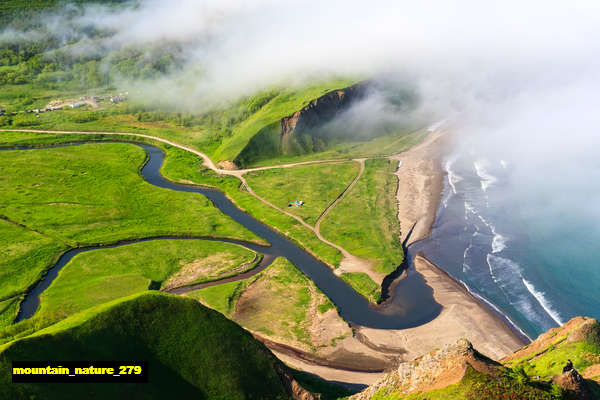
point(536, 262)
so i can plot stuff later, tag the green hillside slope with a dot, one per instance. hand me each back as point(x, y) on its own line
point(285, 103)
point(191, 351)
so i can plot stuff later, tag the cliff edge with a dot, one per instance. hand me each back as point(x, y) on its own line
point(563, 363)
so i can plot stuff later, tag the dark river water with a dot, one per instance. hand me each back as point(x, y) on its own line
point(412, 303)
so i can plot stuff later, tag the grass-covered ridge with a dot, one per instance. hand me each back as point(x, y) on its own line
point(192, 351)
point(285, 103)
point(577, 340)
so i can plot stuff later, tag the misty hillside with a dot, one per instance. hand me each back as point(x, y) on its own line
point(15, 13)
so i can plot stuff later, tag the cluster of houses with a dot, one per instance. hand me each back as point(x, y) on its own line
point(58, 105)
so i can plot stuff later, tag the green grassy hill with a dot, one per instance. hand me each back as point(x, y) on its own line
point(191, 350)
point(282, 105)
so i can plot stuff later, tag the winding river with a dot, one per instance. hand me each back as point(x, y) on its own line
point(412, 303)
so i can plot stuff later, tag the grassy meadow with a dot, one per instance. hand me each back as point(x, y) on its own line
point(99, 276)
point(317, 185)
point(364, 222)
point(363, 284)
point(182, 166)
point(60, 198)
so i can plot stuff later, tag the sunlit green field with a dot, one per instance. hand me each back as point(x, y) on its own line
point(317, 185)
point(60, 198)
point(364, 222)
point(99, 276)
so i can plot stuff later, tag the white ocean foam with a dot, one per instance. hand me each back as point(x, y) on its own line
point(453, 178)
point(498, 242)
point(488, 259)
point(469, 208)
point(540, 297)
point(508, 276)
point(493, 306)
point(446, 199)
point(486, 178)
point(466, 266)
point(506, 273)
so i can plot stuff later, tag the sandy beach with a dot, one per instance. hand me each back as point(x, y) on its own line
point(421, 181)
point(420, 184)
point(462, 316)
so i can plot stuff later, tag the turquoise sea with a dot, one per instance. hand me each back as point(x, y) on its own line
point(529, 248)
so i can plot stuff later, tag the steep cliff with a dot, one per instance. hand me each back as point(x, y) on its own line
point(533, 372)
point(302, 131)
point(318, 112)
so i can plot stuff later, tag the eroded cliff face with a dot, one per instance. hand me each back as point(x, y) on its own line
point(434, 370)
point(529, 372)
point(320, 111)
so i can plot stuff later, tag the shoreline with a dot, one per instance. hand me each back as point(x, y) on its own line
point(421, 181)
point(489, 307)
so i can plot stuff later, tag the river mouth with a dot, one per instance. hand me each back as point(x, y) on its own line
point(411, 305)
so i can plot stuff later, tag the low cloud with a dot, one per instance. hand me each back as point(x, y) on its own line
point(520, 79)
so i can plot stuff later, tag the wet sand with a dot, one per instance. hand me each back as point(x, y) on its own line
point(462, 316)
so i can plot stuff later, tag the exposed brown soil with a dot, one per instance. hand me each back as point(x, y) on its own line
point(212, 267)
point(592, 372)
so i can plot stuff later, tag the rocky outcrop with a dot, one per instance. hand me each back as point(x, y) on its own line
point(449, 365)
point(573, 383)
point(435, 370)
point(320, 111)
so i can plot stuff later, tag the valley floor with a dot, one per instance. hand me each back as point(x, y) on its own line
point(420, 182)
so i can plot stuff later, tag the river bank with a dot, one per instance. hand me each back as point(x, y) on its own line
point(420, 187)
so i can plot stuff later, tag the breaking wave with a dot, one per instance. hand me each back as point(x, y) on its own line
point(540, 297)
point(453, 178)
point(486, 178)
point(498, 242)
